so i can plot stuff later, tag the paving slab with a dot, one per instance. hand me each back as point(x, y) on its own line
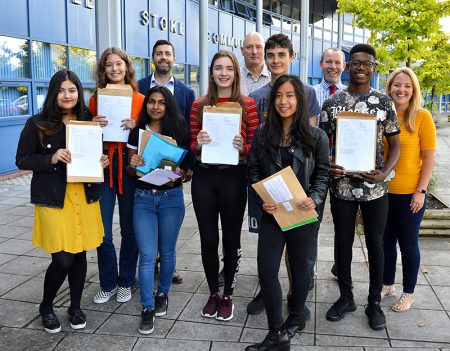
point(171, 345)
point(76, 342)
point(338, 340)
point(443, 294)
point(204, 331)
point(24, 265)
point(16, 247)
point(17, 313)
point(251, 336)
point(122, 324)
point(9, 282)
point(13, 339)
point(420, 325)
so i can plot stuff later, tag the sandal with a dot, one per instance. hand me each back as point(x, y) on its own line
point(404, 303)
point(387, 291)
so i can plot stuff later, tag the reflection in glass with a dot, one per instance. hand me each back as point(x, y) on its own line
point(178, 72)
point(14, 101)
point(41, 93)
point(47, 59)
point(194, 79)
point(139, 67)
point(14, 61)
point(83, 63)
point(88, 92)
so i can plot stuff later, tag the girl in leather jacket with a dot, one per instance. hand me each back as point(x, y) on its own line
point(287, 139)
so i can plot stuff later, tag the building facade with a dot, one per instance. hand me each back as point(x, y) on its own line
point(40, 37)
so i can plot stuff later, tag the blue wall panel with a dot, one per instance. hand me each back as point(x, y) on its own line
point(81, 22)
point(226, 28)
point(8, 144)
point(136, 34)
point(160, 9)
point(177, 14)
point(239, 35)
point(213, 27)
point(13, 17)
point(250, 27)
point(48, 21)
point(192, 33)
point(315, 59)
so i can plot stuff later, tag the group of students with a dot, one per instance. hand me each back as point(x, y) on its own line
point(277, 131)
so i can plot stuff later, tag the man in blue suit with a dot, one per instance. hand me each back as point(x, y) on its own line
point(163, 56)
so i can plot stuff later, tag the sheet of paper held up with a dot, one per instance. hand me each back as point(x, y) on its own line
point(222, 128)
point(115, 109)
point(85, 145)
point(160, 177)
point(355, 144)
point(279, 191)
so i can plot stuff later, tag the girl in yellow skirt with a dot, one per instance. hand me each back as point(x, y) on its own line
point(67, 220)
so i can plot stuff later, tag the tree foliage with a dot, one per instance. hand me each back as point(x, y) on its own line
point(407, 31)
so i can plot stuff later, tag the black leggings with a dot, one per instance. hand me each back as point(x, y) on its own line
point(63, 264)
point(374, 215)
point(271, 242)
point(217, 190)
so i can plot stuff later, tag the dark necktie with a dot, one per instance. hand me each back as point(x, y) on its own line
point(333, 89)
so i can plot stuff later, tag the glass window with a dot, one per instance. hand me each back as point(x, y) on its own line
point(318, 21)
point(194, 79)
point(276, 21)
point(14, 101)
point(359, 31)
point(286, 10)
point(326, 35)
point(227, 5)
point(335, 37)
point(348, 28)
point(14, 61)
point(178, 71)
point(296, 28)
point(83, 62)
point(88, 92)
point(348, 37)
point(276, 6)
point(317, 33)
point(327, 23)
point(296, 11)
point(287, 25)
point(139, 67)
point(213, 2)
point(47, 59)
point(41, 93)
point(266, 5)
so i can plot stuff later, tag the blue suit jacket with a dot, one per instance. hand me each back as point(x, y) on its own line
point(184, 96)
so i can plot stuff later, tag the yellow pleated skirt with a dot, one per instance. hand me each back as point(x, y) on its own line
point(75, 228)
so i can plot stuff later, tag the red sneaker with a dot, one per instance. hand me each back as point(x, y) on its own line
point(210, 309)
point(226, 308)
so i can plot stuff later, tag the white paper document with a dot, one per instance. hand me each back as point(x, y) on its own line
point(356, 143)
point(85, 146)
point(160, 177)
point(222, 128)
point(278, 189)
point(115, 109)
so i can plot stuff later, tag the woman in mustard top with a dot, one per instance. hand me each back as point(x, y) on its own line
point(408, 187)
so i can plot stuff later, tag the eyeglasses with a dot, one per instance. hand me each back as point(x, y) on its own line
point(366, 64)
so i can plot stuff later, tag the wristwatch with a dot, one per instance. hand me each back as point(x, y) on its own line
point(421, 190)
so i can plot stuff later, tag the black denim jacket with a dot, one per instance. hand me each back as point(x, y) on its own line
point(312, 170)
point(48, 184)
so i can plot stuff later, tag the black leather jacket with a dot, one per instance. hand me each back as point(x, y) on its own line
point(312, 171)
point(48, 184)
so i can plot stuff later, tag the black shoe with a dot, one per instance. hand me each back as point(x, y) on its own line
point(177, 278)
point(49, 320)
point(294, 323)
point(161, 303)
point(274, 341)
point(334, 270)
point(147, 322)
point(77, 318)
point(339, 308)
point(256, 306)
point(221, 278)
point(377, 320)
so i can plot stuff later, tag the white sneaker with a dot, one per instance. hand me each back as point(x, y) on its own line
point(104, 296)
point(123, 294)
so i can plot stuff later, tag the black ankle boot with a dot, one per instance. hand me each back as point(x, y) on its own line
point(275, 341)
point(294, 323)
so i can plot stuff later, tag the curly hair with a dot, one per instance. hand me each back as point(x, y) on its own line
point(130, 77)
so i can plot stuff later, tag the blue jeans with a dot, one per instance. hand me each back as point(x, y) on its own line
point(402, 226)
point(107, 259)
point(157, 216)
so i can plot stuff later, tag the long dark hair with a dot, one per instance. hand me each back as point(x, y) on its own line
point(300, 134)
point(173, 124)
point(50, 118)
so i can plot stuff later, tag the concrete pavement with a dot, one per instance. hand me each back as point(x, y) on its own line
point(113, 326)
